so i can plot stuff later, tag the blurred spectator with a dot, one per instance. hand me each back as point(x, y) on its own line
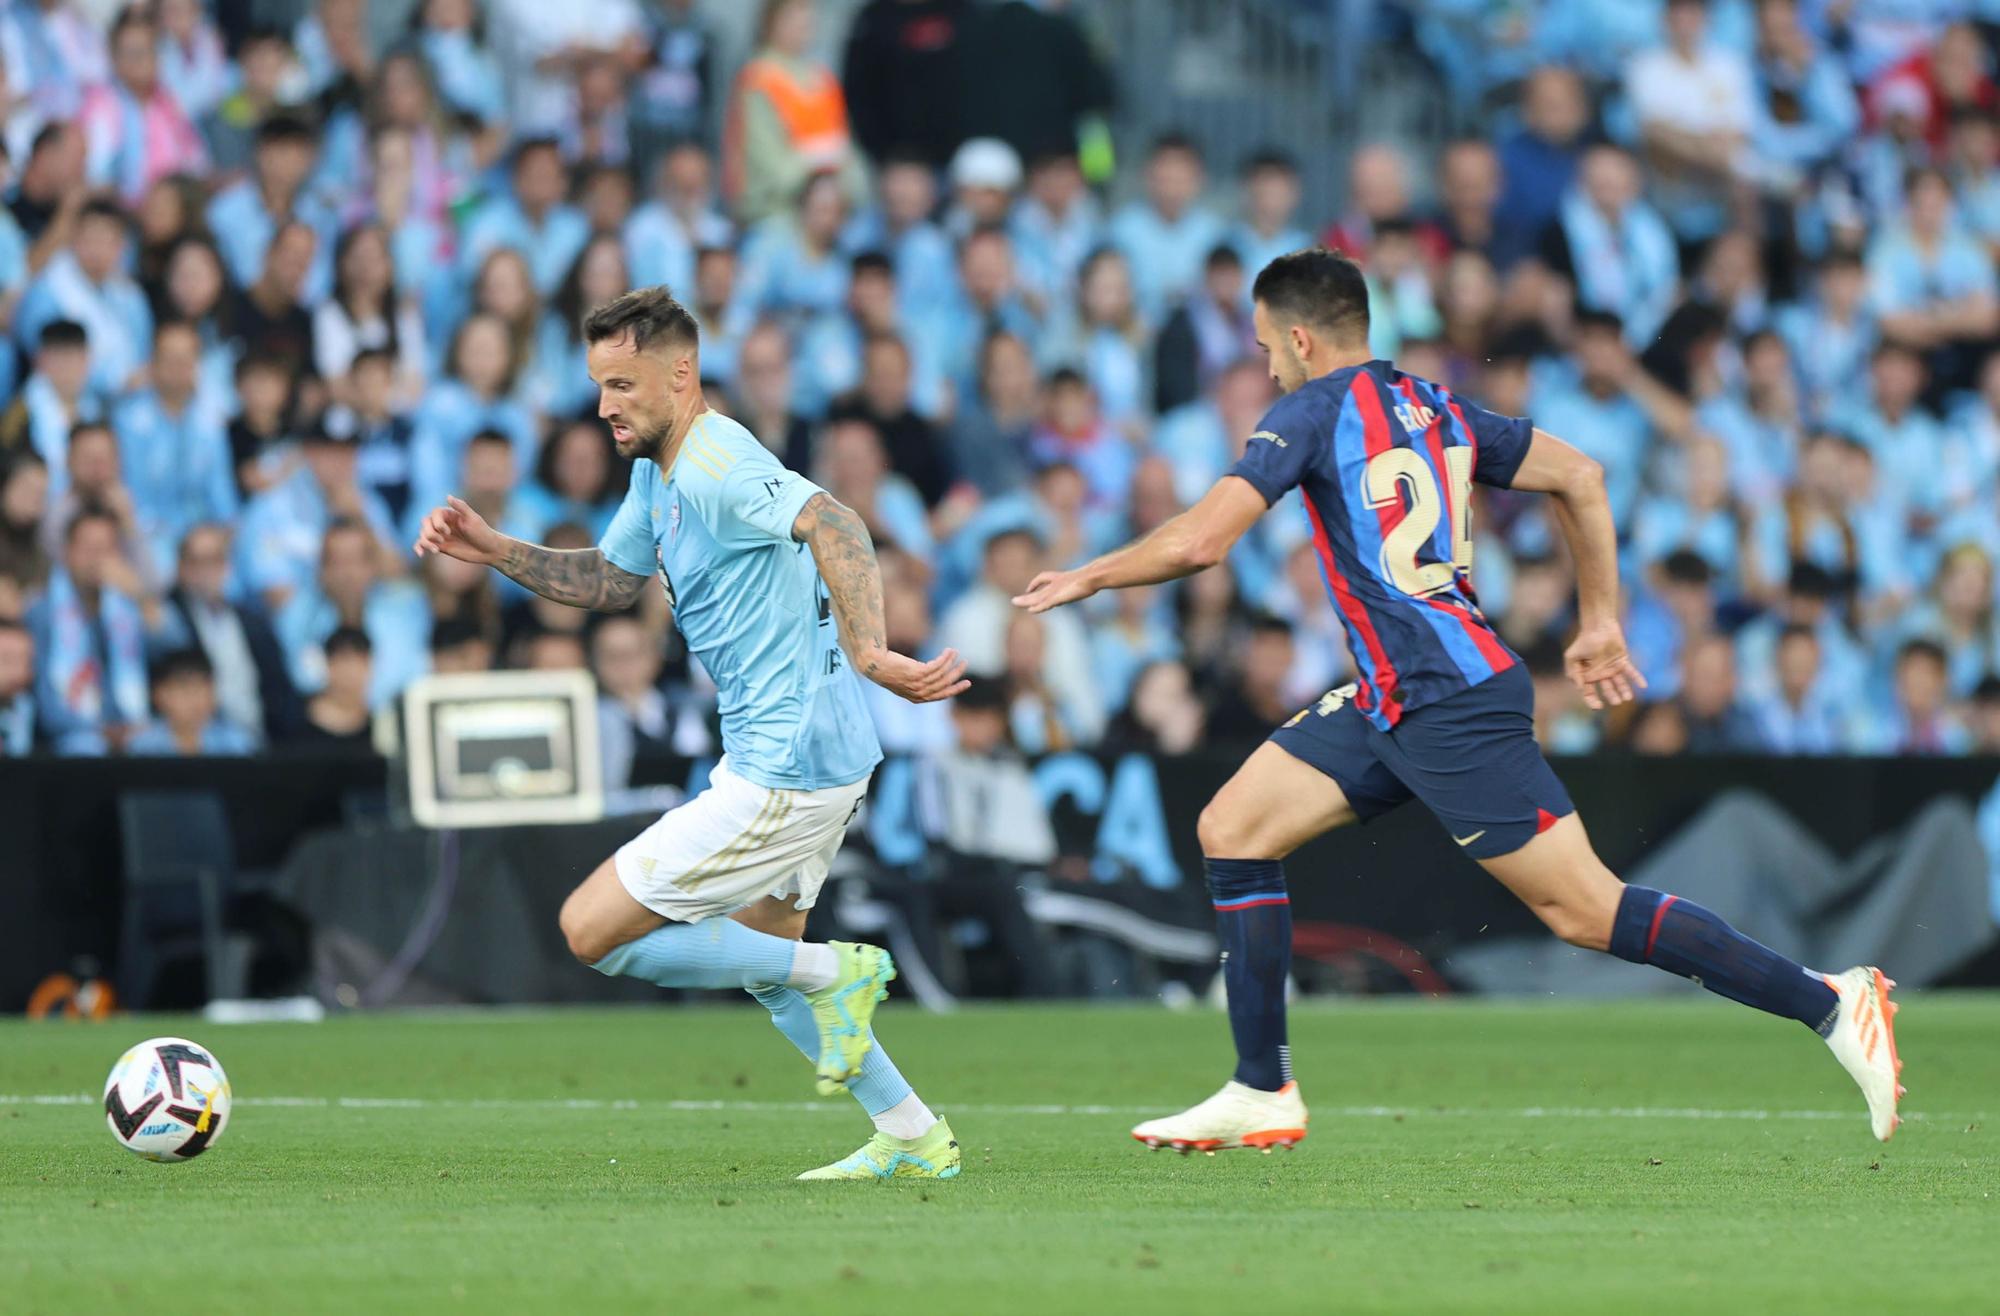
point(1658, 730)
point(532, 616)
point(1932, 284)
point(542, 47)
point(62, 46)
point(908, 74)
point(333, 45)
point(678, 224)
point(451, 36)
point(1798, 717)
point(985, 174)
point(1611, 410)
point(270, 314)
point(1671, 617)
point(18, 732)
point(93, 479)
point(1163, 716)
point(174, 449)
point(976, 796)
point(672, 91)
point(1960, 618)
point(1167, 236)
point(384, 436)
point(915, 449)
point(1538, 604)
point(1212, 624)
point(534, 218)
point(1073, 430)
point(576, 480)
point(906, 728)
point(24, 558)
point(976, 625)
point(1539, 161)
point(1469, 197)
point(89, 635)
point(187, 720)
point(1319, 649)
point(351, 591)
point(1704, 520)
point(1715, 722)
point(251, 686)
point(339, 714)
point(87, 283)
point(56, 398)
point(367, 312)
point(1921, 722)
point(1035, 79)
point(553, 651)
point(266, 81)
point(596, 129)
point(792, 265)
point(1985, 711)
point(1055, 226)
point(1762, 425)
point(246, 216)
point(260, 435)
point(1804, 110)
point(475, 394)
point(1563, 724)
point(137, 131)
point(278, 552)
point(1693, 103)
point(764, 396)
point(900, 229)
point(852, 465)
point(1269, 227)
point(1204, 437)
point(193, 287)
point(1841, 665)
point(1206, 334)
point(1905, 440)
point(633, 716)
point(1613, 247)
point(463, 600)
point(788, 120)
point(832, 346)
point(599, 275)
point(1131, 639)
point(48, 198)
point(989, 432)
point(459, 647)
point(990, 300)
point(1252, 703)
point(1103, 338)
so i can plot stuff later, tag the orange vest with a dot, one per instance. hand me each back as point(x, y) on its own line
point(812, 110)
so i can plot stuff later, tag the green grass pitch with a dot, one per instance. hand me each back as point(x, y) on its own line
point(1677, 1157)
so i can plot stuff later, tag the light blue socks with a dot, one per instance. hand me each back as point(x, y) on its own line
point(880, 1086)
point(716, 952)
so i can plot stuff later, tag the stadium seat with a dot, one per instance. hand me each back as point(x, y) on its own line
point(180, 868)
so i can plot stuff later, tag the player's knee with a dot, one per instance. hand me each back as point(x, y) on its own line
point(589, 943)
point(1583, 918)
point(1224, 833)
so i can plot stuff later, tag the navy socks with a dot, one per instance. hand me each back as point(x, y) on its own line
point(1681, 937)
point(1253, 921)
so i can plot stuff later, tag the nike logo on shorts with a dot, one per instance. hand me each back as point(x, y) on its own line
point(1468, 840)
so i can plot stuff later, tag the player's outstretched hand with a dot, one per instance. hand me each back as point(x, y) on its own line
point(1052, 589)
point(920, 683)
point(457, 531)
point(1602, 669)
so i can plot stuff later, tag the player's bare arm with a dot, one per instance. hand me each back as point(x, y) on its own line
point(1193, 541)
point(845, 553)
point(580, 577)
point(1597, 659)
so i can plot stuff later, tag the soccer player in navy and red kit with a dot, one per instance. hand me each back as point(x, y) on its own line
point(1442, 711)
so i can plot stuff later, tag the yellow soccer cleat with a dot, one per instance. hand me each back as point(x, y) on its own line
point(843, 1009)
point(933, 1156)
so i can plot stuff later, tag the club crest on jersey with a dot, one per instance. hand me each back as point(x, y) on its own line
point(1415, 417)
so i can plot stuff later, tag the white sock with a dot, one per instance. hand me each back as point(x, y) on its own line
point(814, 965)
point(908, 1118)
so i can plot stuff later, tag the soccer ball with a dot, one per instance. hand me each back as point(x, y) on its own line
point(167, 1100)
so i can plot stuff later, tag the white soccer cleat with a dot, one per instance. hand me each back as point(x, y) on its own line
point(1237, 1116)
point(1864, 1041)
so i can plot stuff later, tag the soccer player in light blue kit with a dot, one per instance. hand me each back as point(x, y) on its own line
point(775, 587)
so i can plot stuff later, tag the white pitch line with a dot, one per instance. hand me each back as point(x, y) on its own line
point(790, 1107)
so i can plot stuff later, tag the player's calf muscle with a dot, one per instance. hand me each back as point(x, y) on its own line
point(600, 916)
point(1559, 877)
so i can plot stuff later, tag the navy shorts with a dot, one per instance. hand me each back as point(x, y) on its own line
point(1472, 759)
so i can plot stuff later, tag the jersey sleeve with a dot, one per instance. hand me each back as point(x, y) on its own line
point(628, 541)
point(1501, 443)
point(1278, 453)
point(754, 500)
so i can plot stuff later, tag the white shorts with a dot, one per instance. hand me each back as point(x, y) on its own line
point(736, 843)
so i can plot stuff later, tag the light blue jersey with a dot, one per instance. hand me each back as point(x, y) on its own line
point(749, 601)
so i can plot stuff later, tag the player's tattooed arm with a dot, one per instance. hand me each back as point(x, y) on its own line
point(845, 552)
point(580, 577)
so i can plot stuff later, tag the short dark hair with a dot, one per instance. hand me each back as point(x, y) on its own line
point(1797, 630)
point(1810, 579)
point(285, 129)
point(372, 356)
point(1173, 139)
point(1222, 254)
point(1987, 691)
point(348, 639)
point(180, 662)
point(1684, 566)
point(110, 211)
point(871, 262)
point(1269, 158)
point(1316, 287)
point(63, 333)
point(648, 315)
point(1270, 623)
point(491, 436)
point(258, 358)
point(1590, 317)
point(982, 694)
point(453, 632)
point(529, 145)
point(1928, 650)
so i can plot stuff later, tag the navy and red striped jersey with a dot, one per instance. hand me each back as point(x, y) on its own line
point(1385, 463)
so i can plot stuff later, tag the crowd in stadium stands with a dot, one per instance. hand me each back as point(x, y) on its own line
point(269, 293)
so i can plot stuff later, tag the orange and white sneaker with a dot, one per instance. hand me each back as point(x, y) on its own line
point(1237, 1116)
point(1864, 1041)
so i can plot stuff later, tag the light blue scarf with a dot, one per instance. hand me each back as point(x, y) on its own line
point(1630, 271)
point(77, 677)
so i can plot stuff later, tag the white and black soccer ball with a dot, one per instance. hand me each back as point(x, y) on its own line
point(167, 1100)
